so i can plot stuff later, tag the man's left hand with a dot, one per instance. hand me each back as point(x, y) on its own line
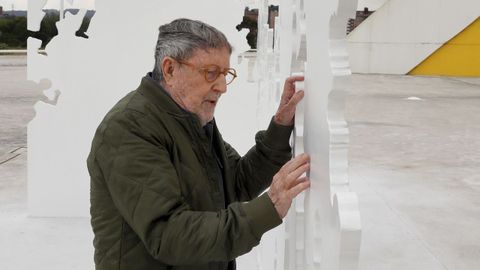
point(289, 101)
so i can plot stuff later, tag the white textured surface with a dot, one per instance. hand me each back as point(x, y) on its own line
point(402, 33)
point(35, 14)
point(310, 40)
point(92, 74)
point(332, 232)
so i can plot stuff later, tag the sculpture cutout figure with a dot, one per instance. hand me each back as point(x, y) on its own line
point(322, 230)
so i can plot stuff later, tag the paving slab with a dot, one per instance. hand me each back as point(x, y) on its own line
point(416, 167)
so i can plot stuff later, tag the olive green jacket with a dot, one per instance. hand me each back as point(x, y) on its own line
point(155, 198)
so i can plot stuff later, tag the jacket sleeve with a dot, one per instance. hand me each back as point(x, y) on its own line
point(254, 171)
point(144, 187)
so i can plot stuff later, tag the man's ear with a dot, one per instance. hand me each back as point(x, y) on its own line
point(168, 68)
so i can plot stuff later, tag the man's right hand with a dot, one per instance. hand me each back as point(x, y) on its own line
point(287, 183)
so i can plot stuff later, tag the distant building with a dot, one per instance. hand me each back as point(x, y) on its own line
point(1, 11)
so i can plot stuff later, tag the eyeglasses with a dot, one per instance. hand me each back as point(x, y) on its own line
point(211, 72)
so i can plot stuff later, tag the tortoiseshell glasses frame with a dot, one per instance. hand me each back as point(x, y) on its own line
point(212, 72)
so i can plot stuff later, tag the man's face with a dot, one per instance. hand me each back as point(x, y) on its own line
point(189, 88)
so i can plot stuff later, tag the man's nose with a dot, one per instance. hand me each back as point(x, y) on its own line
point(221, 84)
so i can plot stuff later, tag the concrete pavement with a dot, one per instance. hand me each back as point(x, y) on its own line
point(415, 163)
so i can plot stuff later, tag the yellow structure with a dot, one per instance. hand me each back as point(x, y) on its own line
point(460, 56)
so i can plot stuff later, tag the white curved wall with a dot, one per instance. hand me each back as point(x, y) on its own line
point(402, 33)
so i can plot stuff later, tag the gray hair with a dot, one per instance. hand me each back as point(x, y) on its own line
point(181, 38)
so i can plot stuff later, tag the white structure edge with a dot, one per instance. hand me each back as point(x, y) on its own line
point(403, 33)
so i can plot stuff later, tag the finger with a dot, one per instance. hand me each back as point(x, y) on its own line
point(296, 98)
point(297, 189)
point(287, 111)
point(296, 162)
point(294, 175)
point(293, 163)
point(297, 181)
point(289, 86)
point(292, 79)
point(287, 94)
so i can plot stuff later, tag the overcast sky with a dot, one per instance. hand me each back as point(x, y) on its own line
point(371, 4)
point(89, 4)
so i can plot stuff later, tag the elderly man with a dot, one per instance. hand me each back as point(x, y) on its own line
point(167, 192)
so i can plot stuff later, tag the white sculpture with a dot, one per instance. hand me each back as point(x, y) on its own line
point(89, 76)
point(323, 229)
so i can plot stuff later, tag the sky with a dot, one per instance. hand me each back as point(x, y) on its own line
point(51, 4)
point(89, 4)
point(371, 4)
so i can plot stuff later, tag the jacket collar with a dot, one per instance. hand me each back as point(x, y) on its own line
point(158, 96)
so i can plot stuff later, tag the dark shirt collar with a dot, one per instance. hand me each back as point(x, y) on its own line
point(208, 128)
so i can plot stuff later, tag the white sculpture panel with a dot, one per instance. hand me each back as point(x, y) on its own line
point(88, 76)
point(322, 230)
